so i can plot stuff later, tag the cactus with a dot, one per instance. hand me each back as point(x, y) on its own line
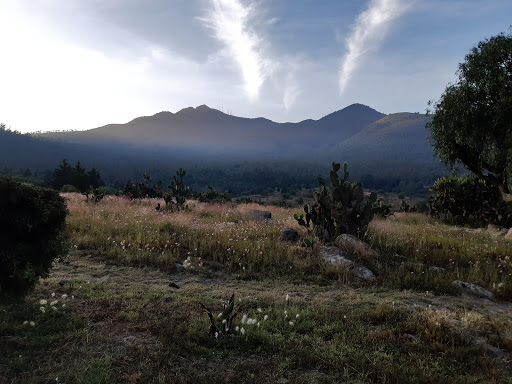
point(342, 210)
point(178, 192)
point(381, 209)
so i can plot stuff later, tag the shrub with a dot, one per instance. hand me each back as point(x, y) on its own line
point(32, 235)
point(342, 210)
point(468, 200)
point(69, 188)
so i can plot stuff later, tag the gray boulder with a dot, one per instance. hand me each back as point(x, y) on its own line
point(472, 289)
point(257, 214)
point(497, 230)
point(336, 257)
point(353, 245)
point(288, 234)
point(509, 234)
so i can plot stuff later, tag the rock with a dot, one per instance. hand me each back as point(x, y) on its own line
point(353, 245)
point(436, 269)
point(497, 230)
point(65, 282)
point(509, 234)
point(361, 272)
point(180, 268)
point(288, 234)
point(484, 346)
point(472, 289)
point(174, 285)
point(257, 214)
point(336, 257)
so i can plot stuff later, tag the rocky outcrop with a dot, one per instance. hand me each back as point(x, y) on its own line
point(472, 289)
point(288, 234)
point(257, 214)
point(334, 256)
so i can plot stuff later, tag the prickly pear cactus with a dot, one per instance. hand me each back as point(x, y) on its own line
point(178, 191)
point(342, 210)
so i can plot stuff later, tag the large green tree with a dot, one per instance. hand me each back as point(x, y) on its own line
point(471, 124)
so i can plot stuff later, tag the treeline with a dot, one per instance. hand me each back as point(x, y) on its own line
point(76, 176)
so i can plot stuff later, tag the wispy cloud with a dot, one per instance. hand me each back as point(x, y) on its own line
point(230, 20)
point(370, 28)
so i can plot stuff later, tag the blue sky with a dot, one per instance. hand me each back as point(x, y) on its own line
point(80, 64)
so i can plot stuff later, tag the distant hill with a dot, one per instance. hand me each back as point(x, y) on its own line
point(208, 128)
point(388, 152)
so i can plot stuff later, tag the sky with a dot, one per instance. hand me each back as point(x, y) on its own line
point(81, 64)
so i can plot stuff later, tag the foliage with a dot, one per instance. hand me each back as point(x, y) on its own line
point(76, 176)
point(32, 234)
point(211, 195)
point(142, 190)
point(468, 200)
point(381, 209)
point(69, 189)
point(344, 210)
point(224, 325)
point(471, 123)
point(93, 194)
point(178, 194)
point(404, 207)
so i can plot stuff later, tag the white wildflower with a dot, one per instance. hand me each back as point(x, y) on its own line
point(54, 302)
point(237, 328)
point(224, 321)
point(244, 318)
point(297, 316)
point(53, 294)
point(25, 322)
point(265, 318)
point(32, 323)
point(54, 308)
point(64, 296)
point(42, 309)
point(287, 297)
point(291, 323)
point(260, 310)
point(43, 302)
point(242, 330)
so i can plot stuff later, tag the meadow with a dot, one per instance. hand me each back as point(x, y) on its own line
point(125, 305)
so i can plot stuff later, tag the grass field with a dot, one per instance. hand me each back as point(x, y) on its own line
point(297, 321)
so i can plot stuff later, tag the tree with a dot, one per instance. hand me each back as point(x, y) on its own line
point(471, 124)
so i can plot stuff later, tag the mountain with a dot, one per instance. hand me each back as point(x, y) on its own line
point(389, 152)
point(208, 128)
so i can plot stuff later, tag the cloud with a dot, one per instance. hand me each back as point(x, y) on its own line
point(370, 28)
point(230, 20)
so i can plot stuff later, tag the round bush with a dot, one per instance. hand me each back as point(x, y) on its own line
point(32, 235)
point(69, 188)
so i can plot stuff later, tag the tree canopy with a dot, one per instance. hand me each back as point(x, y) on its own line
point(77, 176)
point(471, 124)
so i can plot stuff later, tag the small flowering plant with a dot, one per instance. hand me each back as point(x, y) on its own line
point(193, 262)
point(222, 326)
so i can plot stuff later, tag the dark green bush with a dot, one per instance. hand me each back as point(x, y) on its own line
point(343, 209)
point(468, 201)
point(69, 188)
point(32, 235)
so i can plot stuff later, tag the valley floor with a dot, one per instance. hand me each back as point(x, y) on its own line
point(137, 319)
